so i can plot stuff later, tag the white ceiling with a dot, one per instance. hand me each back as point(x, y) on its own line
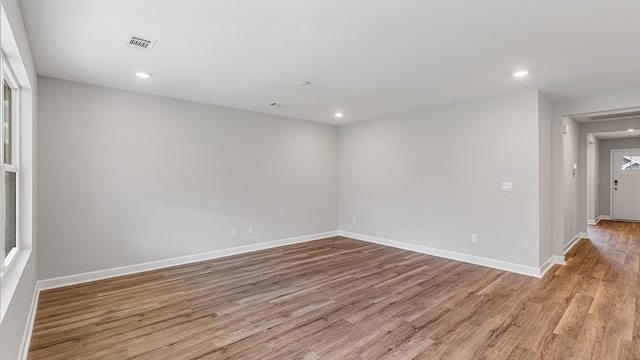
point(366, 58)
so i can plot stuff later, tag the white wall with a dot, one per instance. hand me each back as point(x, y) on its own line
point(571, 211)
point(128, 178)
point(433, 178)
point(19, 283)
point(544, 168)
point(605, 168)
point(593, 178)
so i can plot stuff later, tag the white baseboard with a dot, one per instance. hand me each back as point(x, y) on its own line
point(604, 217)
point(472, 259)
point(574, 241)
point(597, 220)
point(546, 266)
point(132, 269)
point(26, 337)
point(560, 260)
point(553, 260)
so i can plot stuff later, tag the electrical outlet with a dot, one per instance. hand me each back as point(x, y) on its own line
point(354, 221)
point(250, 229)
point(234, 232)
point(474, 238)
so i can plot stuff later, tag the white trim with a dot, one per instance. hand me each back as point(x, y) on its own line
point(472, 259)
point(9, 258)
point(560, 260)
point(598, 219)
point(546, 266)
point(11, 280)
point(553, 260)
point(9, 77)
point(611, 170)
point(28, 331)
point(131, 269)
point(574, 241)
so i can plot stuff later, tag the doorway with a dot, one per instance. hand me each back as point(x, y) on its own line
point(625, 184)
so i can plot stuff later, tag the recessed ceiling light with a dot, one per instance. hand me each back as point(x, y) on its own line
point(304, 83)
point(338, 114)
point(143, 75)
point(630, 130)
point(521, 73)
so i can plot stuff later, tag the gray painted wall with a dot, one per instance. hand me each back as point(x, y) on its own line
point(544, 168)
point(605, 168)
point(571, 213)
point(128, 178)
point(593, 177)
point(433, 178)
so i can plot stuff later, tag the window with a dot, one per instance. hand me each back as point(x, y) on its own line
point(630, 162)
point(10, 165)
point(16, 156)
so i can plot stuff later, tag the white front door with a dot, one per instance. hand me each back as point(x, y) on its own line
point(625, 184)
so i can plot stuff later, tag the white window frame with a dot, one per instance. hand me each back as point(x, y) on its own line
point(15, 276)
point(7, 74)
point(631, 163)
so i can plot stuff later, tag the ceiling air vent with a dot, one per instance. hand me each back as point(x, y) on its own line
point(278, 105)
point(139, 43)
point(615, 116)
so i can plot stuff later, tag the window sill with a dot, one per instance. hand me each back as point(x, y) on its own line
point(11, 279)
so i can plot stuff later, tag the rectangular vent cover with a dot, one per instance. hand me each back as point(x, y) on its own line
point(278, 105)
point(615, 116)
point(139, 43)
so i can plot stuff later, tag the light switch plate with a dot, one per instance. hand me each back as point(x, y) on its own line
point(507, 186)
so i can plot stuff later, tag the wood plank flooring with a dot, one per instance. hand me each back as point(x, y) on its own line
point(340, 298)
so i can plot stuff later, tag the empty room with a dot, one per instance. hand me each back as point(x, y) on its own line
point(319, 179)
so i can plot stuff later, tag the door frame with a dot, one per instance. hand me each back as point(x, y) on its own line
point(611, 170)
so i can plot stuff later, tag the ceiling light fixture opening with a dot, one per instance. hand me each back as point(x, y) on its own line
point(630, 130)
point(338, 115)
point(304, 83)
point(143, 75)
point(521, 73)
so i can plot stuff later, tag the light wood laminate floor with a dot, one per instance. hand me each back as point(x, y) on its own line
point(339, 298)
